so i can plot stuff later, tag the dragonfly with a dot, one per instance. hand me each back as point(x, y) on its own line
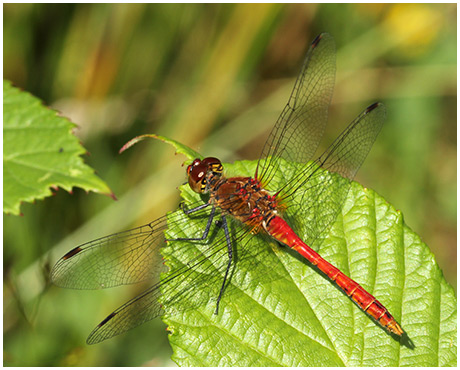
point(286, 186)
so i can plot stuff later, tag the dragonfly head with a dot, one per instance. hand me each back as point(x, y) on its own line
point(201, 171)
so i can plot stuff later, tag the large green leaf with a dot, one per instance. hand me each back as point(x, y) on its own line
point(279, 311)
point(39, 152)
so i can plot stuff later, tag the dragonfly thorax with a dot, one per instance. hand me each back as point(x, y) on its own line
point(246, 200)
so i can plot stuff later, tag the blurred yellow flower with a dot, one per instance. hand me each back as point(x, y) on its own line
point(413, 26)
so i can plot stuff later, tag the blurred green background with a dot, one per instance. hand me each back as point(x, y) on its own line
point(214, 77)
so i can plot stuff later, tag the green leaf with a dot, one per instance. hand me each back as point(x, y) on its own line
point(279, 311)
point(39, 152)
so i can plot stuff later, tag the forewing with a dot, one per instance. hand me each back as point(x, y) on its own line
point(118, 259)
point(299, 128)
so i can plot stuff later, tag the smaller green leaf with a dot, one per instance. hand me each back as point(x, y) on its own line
point(39, 152)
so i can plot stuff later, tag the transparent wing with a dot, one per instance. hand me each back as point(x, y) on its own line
point(320, 194)
point(299, 128)
point(123, 258)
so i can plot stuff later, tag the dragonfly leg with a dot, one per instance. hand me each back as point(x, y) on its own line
point(229, 265)
point(189, 211)
point(208, 225)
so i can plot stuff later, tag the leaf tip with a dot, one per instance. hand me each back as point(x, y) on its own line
point(135, 140)
point(180, 148)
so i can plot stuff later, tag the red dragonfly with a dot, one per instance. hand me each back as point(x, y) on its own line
point(285, 186)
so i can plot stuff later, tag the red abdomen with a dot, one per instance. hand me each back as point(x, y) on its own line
point(281, 231)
